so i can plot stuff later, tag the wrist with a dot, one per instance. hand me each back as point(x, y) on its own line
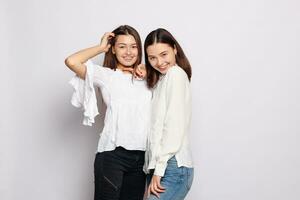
point(99, 48)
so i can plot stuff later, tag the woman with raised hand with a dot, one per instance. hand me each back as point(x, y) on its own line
point(118, 166)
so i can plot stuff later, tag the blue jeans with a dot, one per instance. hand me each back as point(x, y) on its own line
point(177, 181)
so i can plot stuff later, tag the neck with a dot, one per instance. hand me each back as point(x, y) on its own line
point(126, 70)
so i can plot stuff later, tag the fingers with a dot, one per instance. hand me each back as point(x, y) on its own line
point(128, 69)
point(140, 71)
point(148, 192)
point(153, 190)
point(141, 67)
point(160, 187)
point(155, 187)
point(105, 40)
point(108, 35)
point(137, 72)
point(107, 47)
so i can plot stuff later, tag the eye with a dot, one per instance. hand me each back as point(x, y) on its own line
point(151, 58)
point(121, 46)
point(164, 54)
point(134, 47)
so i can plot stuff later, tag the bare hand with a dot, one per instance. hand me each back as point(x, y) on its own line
point(140, 71)
point(155, 186)
point(127, 69)
point(104, 44)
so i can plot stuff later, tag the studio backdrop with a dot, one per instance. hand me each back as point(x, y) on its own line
point(245, 85)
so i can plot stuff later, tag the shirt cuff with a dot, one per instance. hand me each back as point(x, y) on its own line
point(160, 169)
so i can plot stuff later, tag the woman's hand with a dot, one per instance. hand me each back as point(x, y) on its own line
point(140, 72)
point(155, 186)
point(104, 44)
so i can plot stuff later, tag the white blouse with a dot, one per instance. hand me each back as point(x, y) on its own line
point(170, 122)
point(128, 104)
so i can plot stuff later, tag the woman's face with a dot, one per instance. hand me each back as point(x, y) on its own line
point(126, 50)
point(161, 56)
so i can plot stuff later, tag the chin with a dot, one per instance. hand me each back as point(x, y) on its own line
point(165, 70)
point(128, 64)
point(162, 72)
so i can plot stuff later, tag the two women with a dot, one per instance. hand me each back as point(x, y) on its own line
point(118, 163)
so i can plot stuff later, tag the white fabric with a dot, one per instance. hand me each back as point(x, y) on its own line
point(84, 96)
point(128, 104)
point(170, 122)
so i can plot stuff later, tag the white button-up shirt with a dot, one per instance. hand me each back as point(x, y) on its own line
point(128, 104)
point(170, 122)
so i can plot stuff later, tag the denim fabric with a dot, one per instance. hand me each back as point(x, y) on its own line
point(177, 182)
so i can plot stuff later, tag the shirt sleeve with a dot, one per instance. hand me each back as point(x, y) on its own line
point(84, 95)
point(175, 119)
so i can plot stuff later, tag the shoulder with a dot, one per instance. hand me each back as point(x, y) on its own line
point(176, 73)
point(93, 66)
point(101, 70)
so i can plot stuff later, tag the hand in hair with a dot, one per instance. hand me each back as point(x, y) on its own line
point(105, 44)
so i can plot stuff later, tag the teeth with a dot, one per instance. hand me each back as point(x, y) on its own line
point(163, 67)
point(128, 58)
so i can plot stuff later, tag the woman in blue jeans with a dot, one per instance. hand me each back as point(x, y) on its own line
point(168, 157)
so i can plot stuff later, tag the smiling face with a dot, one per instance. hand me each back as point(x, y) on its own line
point(125, 50)
point(161, 56)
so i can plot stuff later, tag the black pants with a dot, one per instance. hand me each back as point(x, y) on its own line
point(119, 175)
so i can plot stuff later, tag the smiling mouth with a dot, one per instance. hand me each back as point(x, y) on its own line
point(128, 59)
point(163, 67)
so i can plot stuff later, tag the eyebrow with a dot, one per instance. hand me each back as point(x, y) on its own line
point(163, 52)
point(126, 44)
point(149, 55)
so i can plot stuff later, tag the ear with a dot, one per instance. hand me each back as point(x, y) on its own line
point(175, 50)
point(113, 50)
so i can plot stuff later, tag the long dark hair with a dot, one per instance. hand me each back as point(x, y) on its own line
point(110, 59)
point(163, 36)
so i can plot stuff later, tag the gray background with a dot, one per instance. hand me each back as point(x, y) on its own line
point(246, 81)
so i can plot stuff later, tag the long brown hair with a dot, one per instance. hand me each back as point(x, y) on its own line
point(163, 36)
point(110, 59)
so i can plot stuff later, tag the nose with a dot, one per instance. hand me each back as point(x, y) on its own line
point(159, 62)
point(128, 50)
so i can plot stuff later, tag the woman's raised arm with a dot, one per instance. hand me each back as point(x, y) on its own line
point(76, 61)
